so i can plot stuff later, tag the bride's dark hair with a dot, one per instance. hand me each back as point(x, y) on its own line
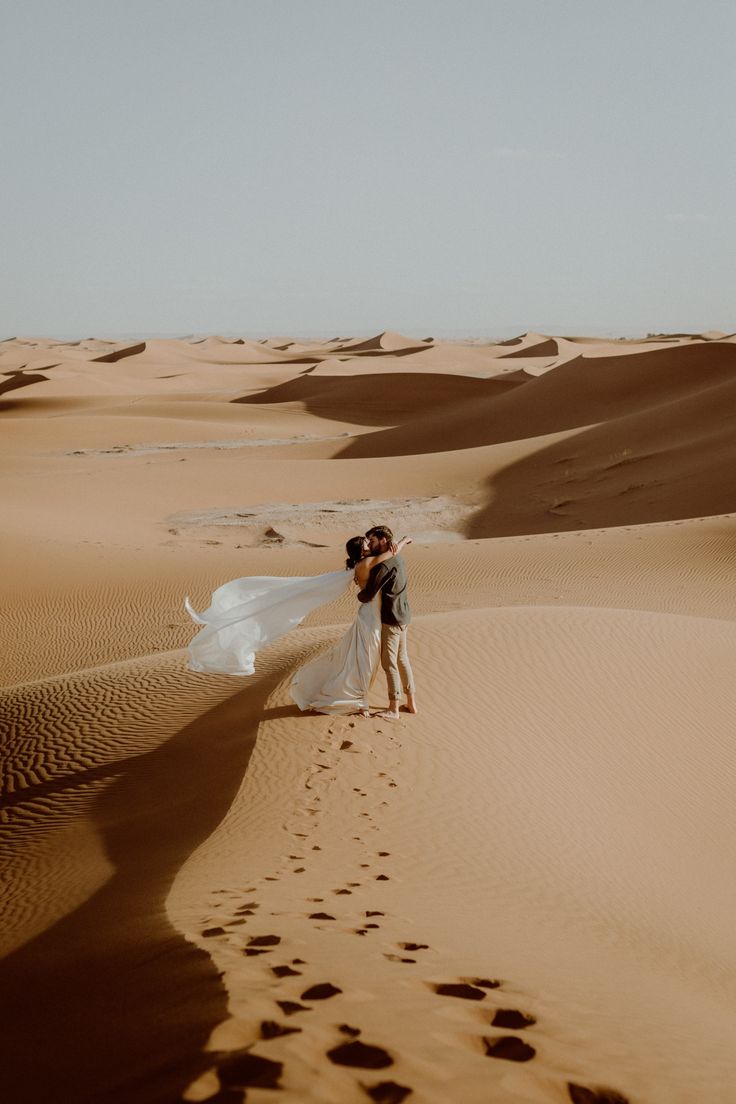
point(354, 549)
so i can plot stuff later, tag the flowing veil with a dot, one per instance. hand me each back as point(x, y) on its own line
point(247, 614)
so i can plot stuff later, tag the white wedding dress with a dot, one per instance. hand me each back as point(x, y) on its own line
point(338, 680)
point(247, 614)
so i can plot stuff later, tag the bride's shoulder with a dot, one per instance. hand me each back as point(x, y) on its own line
point(361, 573)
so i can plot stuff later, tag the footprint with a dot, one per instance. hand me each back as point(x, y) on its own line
point(345, 745)
point(264, 940)
point(290, 1007)
point(209, 932)
point(250, 951)
point(510, 1048)
point(382, 878)
point(360, 1055)
point(580, 1095)
point(467, 992)
point(388, 1092)
point(512, 1018)
point(285, 971)
point(374, 912)
point(270, 1029)
point(320, 916)
point(416, 947)
point(373, 925)
point(398, 958)
point(383, 854)
point(340, 892)
point(321, 992)
point(348, 1030)
point(486, 983)
point(247, 1070)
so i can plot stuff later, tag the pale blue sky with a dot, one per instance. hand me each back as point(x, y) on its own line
point(319, 167)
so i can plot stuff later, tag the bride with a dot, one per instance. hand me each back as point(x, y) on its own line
point(247, 614)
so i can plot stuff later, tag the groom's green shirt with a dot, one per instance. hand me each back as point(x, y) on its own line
point(390, 578)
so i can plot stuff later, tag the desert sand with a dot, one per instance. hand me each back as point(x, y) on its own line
point(525, 894)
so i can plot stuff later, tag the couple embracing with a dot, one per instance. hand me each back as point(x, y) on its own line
point(246, 614)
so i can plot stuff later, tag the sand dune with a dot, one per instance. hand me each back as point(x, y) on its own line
point(387, 342)
point(363, 399)
point(544, 347)
point(580, 392)
point(521, 894)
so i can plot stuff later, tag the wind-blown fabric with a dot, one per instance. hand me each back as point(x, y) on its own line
point(247, 614)
point(338, 680)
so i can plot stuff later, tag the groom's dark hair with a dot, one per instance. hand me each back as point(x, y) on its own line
point(382, 532)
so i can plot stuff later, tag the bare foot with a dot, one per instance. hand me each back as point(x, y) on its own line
point(411, 704)
point(364, 713)
point(388, 715)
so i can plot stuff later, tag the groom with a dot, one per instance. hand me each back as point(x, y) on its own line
point(390, 578)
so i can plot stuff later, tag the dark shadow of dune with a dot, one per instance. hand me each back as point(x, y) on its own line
point(53, 404)
point(112, 1004)
point(120, 353)
point(20, 379)
point(375, 398)
point(580, 392)
point(355, 352)
point(660, 464)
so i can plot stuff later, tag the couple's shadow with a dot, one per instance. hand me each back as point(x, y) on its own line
point(111, 1003)
point(283, 711)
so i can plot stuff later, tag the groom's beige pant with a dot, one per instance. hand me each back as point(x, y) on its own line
point(395, 660)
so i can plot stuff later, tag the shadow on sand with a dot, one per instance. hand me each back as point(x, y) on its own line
point(635, 470)
point(112, 1004)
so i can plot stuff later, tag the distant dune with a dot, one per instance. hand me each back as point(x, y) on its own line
point(522, 894)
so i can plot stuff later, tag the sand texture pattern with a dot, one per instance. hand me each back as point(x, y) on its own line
point(523, 894)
